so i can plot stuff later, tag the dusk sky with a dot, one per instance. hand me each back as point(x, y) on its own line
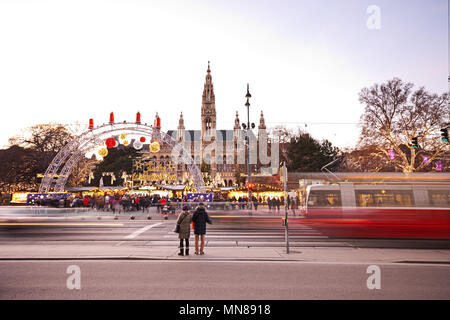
point(306, 61)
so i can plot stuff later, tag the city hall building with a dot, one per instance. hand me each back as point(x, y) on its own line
point(220, 153)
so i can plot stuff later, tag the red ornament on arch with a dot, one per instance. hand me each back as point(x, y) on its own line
point(142, 139)
point(110, 143)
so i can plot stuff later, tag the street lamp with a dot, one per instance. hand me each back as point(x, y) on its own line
point(285, 222)
point(248, 127)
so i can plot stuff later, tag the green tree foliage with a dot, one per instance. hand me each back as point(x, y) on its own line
point(205, 168)
point(118, 160)
point(309, 155)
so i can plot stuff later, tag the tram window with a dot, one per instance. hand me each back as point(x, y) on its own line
point(324, 198)
point(439, 198)
point(384, 198)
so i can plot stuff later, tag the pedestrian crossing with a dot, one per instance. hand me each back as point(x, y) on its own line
point(268, 235)
point(160, 232)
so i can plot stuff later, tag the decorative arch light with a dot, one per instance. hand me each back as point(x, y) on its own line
point(155, 147)
point(110, 143)
point(65, 160)
point(137, 145)
point(102, 152)
point(142, 139)
point(391, 154)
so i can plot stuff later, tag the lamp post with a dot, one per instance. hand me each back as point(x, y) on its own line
point(286, 228)
point(247, 128)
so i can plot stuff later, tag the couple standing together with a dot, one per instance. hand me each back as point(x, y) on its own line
point(199, 218)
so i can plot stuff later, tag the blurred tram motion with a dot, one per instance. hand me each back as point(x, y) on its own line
point(381, 210)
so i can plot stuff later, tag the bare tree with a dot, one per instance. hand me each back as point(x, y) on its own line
point(45, 139)
point(18, 170)
point(394, 114)
point(367, 159)
point(80, 172)
point(283, 137)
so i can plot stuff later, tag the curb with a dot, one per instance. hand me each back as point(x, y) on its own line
point(118, 258)
point(206, 259)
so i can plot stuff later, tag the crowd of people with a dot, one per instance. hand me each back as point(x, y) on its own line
point(117, 203)
point(273, 203)
point(127, 203)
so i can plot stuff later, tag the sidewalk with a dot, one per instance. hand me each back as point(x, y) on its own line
point(308, 254)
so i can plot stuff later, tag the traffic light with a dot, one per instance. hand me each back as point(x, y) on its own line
point(444, 134)
point(415, 143)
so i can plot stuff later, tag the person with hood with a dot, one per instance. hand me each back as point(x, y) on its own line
point(184, 221)
point(200, 218)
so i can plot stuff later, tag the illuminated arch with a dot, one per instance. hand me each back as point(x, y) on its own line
point(64, 162)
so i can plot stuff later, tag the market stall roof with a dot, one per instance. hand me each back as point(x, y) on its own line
point(114, 188)
point(227, 188)
point(81, 189)
point(175, 187)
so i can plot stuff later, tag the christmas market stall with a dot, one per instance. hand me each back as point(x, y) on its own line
point(261, 192)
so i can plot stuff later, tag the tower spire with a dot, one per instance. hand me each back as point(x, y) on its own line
point(208, 114)
point(208, 90)
point(237, 124)
point(208, 118)
point(181, 122)
point(262, 123)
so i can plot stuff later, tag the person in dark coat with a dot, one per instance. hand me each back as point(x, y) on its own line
point(184, 220)
point(200, 218)
point(278, 203)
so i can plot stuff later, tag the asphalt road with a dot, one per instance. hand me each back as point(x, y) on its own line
point(220, 280)
point(199, 280)
point(227, 230)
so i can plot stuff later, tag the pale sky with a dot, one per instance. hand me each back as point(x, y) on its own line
point(306, 61)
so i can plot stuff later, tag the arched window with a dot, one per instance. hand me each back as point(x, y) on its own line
point(207, 124)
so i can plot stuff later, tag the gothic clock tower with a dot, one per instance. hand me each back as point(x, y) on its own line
point(208, 107)
point(208, 118)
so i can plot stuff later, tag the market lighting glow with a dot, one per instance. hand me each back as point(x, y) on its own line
point(155, 147)
point(391, 154)
point(103, 152)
